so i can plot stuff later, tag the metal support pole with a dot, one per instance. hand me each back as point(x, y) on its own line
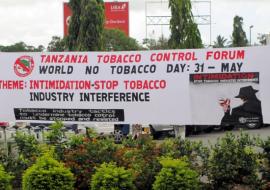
point(210, 5)
point(5, 140)
point(146, 36)
point(250, 27)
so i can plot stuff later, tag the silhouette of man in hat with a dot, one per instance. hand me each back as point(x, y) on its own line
point(249, 112)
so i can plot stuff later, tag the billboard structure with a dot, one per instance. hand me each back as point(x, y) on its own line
point(202, 86)
point(158, 17)
point(116, 16)
point(67, 16)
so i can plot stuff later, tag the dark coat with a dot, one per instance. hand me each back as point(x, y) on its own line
point(250, 110)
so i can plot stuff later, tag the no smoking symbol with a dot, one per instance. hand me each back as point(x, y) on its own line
point(24, 66)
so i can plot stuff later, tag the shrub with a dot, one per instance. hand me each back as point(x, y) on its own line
point(4, 157)
point(265, 145)
point(47, 174)
point(109, 176)
point(55, 137)
point(141, 157)
point(5, 179)
point(169, 148)
point(75, 141)
point(233, 162)
point(176, 175)
point(83, 159)
point(196, 153)
point(27, 145)
point(28, 151)
point(145, 179)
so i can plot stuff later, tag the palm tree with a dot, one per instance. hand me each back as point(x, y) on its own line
point(220, 42)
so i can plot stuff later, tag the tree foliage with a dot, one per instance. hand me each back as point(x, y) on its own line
point(184, 31)
point(263, 38)
point(74, 24)
point(152, 44)
point(220, 42)
point(86, 25)
point(116, 40)
point(21, 47)
point(56, 44)
point(239, 38)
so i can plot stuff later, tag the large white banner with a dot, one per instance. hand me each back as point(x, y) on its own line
point(161, 87)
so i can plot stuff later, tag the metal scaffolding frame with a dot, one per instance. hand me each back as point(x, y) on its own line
point(154, 20)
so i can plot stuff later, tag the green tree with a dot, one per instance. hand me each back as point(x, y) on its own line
point(184, 31)
point(56, 44)
point(74, 24)
point(40, 48)
point(262, 38)
point(116, 40)
point(152, 44)
point(239, 38)
point(220, 42)
point(86, 25)
point(21, 47)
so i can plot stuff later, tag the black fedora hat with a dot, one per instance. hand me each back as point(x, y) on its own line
point(246, 91)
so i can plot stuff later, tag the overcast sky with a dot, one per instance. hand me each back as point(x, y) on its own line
point(36, 21)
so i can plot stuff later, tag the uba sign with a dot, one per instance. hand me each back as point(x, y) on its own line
point(116, 16)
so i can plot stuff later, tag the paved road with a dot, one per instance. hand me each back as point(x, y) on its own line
point(211, 138)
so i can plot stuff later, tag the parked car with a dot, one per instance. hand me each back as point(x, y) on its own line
point(161, 131)
point(196, 129)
